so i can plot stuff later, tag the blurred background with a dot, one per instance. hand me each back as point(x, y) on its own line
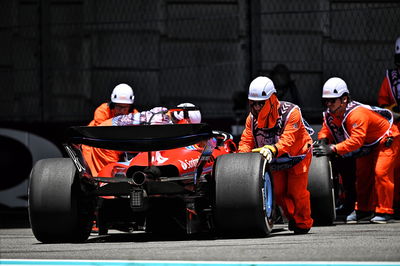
point(60, 59)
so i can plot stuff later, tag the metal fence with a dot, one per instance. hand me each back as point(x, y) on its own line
point(316, 40)
point(60, 59)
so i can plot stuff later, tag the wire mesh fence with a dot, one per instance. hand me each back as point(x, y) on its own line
point(59, 60)
point(316, 40)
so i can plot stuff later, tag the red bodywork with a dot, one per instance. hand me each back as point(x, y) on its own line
point(184, 159)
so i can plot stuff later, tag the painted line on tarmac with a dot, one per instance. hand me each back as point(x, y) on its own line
point(11, 262)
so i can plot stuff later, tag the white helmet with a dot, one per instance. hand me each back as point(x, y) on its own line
point(334, 88)
point(122, 93)
point(194, 116)
point(261, 88)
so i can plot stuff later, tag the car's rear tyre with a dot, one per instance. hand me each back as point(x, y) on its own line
point(244, 201)
point(320, 186)
point(59, 211)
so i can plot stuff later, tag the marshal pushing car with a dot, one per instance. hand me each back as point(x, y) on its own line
point(184, 178)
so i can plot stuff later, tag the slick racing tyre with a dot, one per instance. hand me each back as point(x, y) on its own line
point(244, 201)
point(320, 186)
point(58, 209)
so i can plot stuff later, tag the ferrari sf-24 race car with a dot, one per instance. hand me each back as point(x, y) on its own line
point(185, 178)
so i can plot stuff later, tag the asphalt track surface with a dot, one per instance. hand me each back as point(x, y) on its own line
point(363, 244)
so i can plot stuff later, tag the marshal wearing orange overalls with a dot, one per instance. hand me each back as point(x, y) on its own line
point(368, 133)
point(122, 99)
point(276, 130)
point(389, 98)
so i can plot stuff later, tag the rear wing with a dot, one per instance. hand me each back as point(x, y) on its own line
point(140, 137)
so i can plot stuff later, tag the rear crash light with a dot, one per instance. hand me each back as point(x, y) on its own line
point(136, 199)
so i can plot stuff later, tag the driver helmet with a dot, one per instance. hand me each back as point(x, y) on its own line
point(194, 115)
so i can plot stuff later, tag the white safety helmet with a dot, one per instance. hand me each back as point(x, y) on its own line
point(334, 88)
point(194, 116)
point(261, 88)
point(122, 93)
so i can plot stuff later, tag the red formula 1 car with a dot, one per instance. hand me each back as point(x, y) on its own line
point(185, 179)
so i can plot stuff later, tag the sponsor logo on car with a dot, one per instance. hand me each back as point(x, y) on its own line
point(159, 158)
point(188, 164)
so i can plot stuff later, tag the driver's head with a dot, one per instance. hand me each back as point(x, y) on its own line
point(187, 117)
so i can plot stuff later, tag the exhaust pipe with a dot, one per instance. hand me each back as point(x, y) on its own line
point(139, 177)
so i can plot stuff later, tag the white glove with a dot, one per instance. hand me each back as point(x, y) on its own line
point(268, 151)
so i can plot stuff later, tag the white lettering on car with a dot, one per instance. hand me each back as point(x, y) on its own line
point(188, 164)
